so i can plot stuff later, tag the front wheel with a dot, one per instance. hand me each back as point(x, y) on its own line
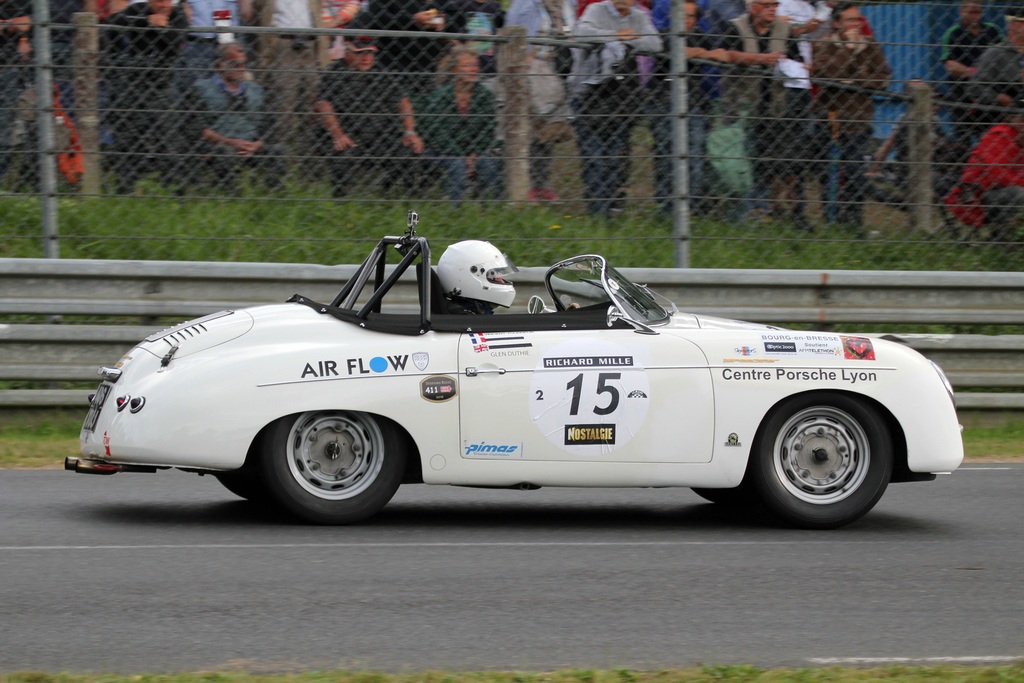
point(332, 467)
point(738, 497)
point(244, 484)
point(822, 460)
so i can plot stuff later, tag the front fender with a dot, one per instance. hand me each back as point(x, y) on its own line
point(898, 379)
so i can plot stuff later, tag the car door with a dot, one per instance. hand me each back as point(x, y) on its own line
point(609, 395)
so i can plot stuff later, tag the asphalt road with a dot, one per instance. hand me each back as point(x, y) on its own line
point(169, 572)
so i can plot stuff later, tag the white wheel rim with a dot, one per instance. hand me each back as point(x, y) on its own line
point(821, 455)
point(334, 456)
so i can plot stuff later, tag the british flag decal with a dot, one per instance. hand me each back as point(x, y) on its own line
point(489, 342)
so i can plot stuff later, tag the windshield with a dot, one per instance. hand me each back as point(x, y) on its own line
point(589, 280)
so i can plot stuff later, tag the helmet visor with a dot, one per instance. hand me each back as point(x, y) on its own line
point(502, 275)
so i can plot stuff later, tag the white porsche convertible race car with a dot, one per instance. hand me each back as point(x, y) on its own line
point(326, 408)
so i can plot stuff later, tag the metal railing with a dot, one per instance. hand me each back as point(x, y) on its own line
point(64, 318)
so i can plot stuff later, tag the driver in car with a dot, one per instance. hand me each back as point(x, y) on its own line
point(473, 276)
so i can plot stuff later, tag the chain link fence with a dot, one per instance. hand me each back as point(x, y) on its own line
point(706, 134)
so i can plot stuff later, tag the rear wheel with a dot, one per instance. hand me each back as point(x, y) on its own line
point(822, 460)
point(332, 467)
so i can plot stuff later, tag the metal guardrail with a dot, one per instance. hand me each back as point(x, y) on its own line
point(84, 290)
point(74, 287)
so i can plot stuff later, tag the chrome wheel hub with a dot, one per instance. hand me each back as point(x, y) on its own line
point(821, 455)
point(334, 455)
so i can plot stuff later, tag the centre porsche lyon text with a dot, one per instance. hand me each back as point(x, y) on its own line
point(816, 375)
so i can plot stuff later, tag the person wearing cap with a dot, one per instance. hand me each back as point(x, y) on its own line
point(229, 123)
point(415, 55)
point(997, 79)
point(367, 120)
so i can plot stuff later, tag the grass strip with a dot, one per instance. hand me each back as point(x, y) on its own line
point(1013, 673)
point(304, 227)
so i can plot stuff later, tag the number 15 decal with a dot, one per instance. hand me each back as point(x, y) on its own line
point(584, 385)
point(576, 384)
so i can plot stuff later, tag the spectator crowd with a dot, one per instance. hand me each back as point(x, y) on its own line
point(779, 102)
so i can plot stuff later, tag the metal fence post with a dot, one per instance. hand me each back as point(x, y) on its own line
point(514, 71)
point(920, 133)
point(44, 121)
point(680, 143)
point(86, 75)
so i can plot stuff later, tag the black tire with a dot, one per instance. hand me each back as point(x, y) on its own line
point(822, 460)
point(332, 467)
point(245, 484)
point(738, 497)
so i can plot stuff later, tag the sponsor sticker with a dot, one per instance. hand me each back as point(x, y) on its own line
point(780, 347)
point(319, 369)
point(377, 365)
point(589, 397)
point(589, 435)
point(792, 344)
point(827, 375)
point(858, 348)
point(438, 388)
point(749, 353)
point(500, 344)
point(484, 449)
point(588, 362)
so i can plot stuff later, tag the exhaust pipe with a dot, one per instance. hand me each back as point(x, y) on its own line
point(98, 467)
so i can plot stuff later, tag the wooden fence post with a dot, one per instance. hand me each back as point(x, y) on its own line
point(514, 72)
point(920, 197)
point(85, 67)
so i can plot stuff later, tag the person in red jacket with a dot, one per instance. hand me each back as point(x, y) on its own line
point(991, 190)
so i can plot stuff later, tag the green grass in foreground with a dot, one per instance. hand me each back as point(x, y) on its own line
point(306, 227)
point(704, 674)
point(45, 439)
point(999, 441)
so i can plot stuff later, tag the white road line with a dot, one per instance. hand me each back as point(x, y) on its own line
point(979, 659)
point(511, 544)
point(981, 469)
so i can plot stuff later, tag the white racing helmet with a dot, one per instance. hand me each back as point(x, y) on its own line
point(476, 270)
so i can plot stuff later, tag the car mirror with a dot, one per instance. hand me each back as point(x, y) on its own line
point(535, 305)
